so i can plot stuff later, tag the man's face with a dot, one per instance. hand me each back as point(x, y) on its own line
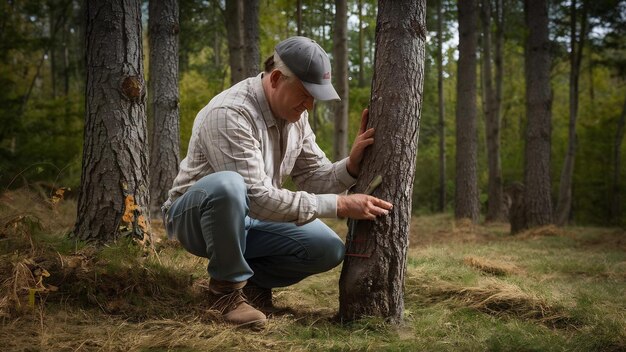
point(290, 98)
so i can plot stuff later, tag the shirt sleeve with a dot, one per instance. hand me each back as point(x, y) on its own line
point(314, 173)
point(230, 145)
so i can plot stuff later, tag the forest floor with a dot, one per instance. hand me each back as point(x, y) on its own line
point(468, 287)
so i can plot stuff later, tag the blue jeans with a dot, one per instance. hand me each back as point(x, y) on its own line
point(210, 220)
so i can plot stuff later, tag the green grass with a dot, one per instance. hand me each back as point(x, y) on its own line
point(563, 292)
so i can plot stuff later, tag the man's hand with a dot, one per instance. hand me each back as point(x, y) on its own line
point(363, 139)
point(361, 206)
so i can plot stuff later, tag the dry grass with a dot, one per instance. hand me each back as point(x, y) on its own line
point(494, 297)
point(544, 231)
point(494, 267)
point(65, 296)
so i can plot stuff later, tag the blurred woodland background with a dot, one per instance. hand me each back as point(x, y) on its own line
point(42, 99)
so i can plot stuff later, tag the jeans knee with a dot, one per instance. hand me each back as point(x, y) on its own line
point(331, 251)
point(226, 186)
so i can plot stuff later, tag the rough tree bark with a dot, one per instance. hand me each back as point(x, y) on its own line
point(340, 73)
point(113, 198)
point(163, 94)
point(252, 56)
point(466, 190)
point(536, 196)
point(371, 282)
point(233, 17)
point(495, 191)
point(577, 40)
point(442, 112)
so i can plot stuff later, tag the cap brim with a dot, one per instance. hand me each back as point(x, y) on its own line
point(322, 92)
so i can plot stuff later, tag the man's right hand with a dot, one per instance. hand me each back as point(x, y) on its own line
point(361, 207)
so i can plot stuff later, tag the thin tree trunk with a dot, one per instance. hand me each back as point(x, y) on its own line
point(52, 50)
point(495, 192)
point(371, 282)
point(234, 28)
point(442, 113)
point(616, 194)
point(163, 26)
point(113, 198)
point(252, 57)
point(536, 196)
point(361, 45)
point(340, 58)
point(299, 18)
point(466, 190)
point(564, 204)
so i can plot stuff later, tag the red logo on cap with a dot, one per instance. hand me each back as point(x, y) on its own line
point(327, 75)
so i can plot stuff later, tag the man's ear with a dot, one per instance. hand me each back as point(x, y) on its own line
point(275, 77)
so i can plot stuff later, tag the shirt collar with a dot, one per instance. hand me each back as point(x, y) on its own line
point(269, 118)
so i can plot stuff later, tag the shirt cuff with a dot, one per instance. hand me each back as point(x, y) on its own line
point(326, 205)
point(343, 175)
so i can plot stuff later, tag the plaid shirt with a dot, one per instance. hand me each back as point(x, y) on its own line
point(237, 132)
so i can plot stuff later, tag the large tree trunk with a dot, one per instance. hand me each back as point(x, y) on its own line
point(495, 192)
point(233, 17)
point(371, 282)
point(442, 113)
point(340, 58)
point(252, 56)
point(163, 94)
point(466, 190)
point(564, 204)
point(536, 196)
point(113, 198)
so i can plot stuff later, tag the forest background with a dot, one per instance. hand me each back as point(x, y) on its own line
point(42, 74)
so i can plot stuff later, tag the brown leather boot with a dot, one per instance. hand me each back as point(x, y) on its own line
point(233, 305)
point(260, 297)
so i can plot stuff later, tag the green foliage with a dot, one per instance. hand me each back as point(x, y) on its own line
point(41, 139)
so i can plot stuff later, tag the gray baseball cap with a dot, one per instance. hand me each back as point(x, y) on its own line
point(310, 63)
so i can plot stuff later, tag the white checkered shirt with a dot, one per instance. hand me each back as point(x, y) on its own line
point(237, 132)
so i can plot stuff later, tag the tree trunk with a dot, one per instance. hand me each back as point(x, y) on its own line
point(537, 201)
point(564, 204)
point(340, 58)
point(616, 194)
point(163, 94)
point(466, 192)
point(442, 113)
point(233, 16)
point(113, 198)
point(252, 56)
point(495, 203)
point(371, 282)
point(299, 18)
point(361, 45)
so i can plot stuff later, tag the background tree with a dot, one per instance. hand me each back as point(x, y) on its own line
point(233, 18)
point(252, 56)
point(495, 201)
point(536, 196)
point(113, 198)
point(577, 40)
point(163, 93)
point(616, 194)
point(441, 110)
point(373, 285)
point(466, 189)
point(340, 75)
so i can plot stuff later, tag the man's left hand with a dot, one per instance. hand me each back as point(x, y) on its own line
point(363, 139)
